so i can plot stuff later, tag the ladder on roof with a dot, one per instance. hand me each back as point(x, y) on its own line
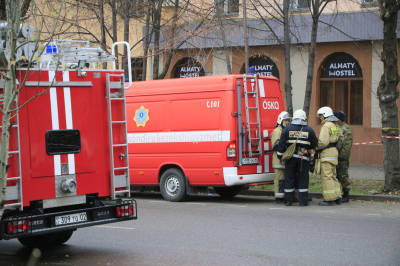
point(115, 91)
point(14, 193)
point(253, 126)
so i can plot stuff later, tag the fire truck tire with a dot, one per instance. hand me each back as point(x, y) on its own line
point(228, 192)
point(173, 185)
point(63, 237)
point(38, 241)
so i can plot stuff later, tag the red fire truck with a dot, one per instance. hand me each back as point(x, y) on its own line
point(187, 134)
point(68, 148)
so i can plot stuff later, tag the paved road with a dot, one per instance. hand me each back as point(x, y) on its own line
point(244, 231)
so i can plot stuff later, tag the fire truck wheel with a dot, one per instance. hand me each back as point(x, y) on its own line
point(228, 192)
point(173, 185)
point(63, 237)
point(38, 241)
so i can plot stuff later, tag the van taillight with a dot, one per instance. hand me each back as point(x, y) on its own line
point(231, 151)
point(17, 227)
point(124, 211)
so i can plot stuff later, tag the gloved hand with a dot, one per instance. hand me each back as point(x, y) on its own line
point(311, 164)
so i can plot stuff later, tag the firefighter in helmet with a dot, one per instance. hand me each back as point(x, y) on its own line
point(296, 167)
point(279, 168)
point(328, 137)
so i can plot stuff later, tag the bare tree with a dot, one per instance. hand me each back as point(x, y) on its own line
point(9, 107)
point(388, 94)
point(316, 7)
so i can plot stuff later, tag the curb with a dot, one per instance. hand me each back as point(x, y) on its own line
point(316, 195)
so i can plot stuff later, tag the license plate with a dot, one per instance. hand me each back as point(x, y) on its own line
point(249, 160)
point(71, 218)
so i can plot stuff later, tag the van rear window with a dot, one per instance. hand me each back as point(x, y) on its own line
point(63, 141)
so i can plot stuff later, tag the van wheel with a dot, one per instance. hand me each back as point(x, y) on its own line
point(63, 237)
point(39, 241)
point(173, 185)
point(228, 192)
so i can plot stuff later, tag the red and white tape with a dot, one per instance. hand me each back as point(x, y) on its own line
point(378, 141)
point(371, 142)
point(390, 137)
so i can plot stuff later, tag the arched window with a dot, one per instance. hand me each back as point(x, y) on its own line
point(188, 67)
point(264, 66)
point(341, 87)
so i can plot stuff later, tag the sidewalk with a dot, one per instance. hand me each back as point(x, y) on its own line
point(356, 171)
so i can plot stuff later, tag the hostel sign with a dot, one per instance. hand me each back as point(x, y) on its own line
point(342, 66)
point(264, 66)
point(189, 68)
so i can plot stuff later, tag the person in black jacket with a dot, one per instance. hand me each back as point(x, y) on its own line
point(296, 168)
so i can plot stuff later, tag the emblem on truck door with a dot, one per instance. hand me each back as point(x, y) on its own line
point(141, 116)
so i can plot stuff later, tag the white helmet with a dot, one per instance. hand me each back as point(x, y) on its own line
point(325, 111)
point(282, 116)
point(300, 114)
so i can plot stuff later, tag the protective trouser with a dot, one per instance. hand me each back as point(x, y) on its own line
point(342, 170)
point(296, 171)
point(330, 185)
point(279, 183)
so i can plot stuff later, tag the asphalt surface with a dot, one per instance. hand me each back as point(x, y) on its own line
point(207, 230)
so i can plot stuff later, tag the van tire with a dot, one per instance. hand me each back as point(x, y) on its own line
point(173, 185)
point(39, 240)
point(228, 192)
point(63, 237)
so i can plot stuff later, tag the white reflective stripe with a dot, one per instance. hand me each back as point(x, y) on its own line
point(299, 156)
point(68, 118)
point(54, 109)
point(183, 136)
point(265, 133)
point(71, 164)
point(279, 194)
point(266, 146)
point(266, 163)
point(298, 141)
point(303, 190)
point(279, 153)
point(289, 190)
point(54, 121)
point(278, 166)
point(261, 88)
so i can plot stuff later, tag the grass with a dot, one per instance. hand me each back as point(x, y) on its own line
point(356, 187)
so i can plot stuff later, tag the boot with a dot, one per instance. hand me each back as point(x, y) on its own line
point(288, 203)
point(327, 203)
point(338, 201)
point(279, 201)
point(345, 197)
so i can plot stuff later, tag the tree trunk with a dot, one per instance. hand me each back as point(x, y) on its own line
point(102, 29)
point(114, 30)
point(311, 59)
point(13, 10)
point(288, 71)
point(127, 6)
point(146, 40)
point(388, 94)
point(157, 33)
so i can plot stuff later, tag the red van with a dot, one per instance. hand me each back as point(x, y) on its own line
point(184, 134)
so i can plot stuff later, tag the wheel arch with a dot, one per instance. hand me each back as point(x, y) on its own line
point(165, 167)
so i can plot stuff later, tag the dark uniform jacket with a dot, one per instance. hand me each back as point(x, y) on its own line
point(306, 139)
